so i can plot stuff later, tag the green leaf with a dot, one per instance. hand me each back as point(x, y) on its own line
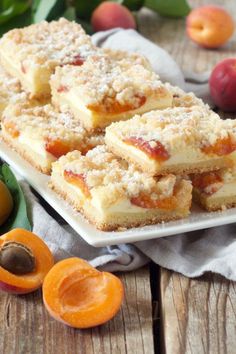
point(35, 4)
point(49, 10)
point(84, 9)
point(19, 21)
point(70, 14)
point(133, 5)
point(18, 217)
point(170, 8)
point(11, 9)
point(86, 26)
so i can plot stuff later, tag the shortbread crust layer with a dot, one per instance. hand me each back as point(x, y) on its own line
point(112, 194)
point(175, 140)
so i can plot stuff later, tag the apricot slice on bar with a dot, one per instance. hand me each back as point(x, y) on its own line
point(57, 148)
point(24, 261)
point(154, 149)
point(78, 180)
point(145, 201)
point(79, 295)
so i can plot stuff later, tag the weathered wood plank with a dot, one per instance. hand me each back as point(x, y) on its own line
point(27, 328)
point(198, 315)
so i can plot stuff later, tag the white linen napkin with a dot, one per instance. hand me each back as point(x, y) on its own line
point(192, 253)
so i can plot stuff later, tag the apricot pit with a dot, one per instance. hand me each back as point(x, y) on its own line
point(17, 258)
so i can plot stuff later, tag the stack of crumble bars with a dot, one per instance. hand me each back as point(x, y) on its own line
point(122, 147)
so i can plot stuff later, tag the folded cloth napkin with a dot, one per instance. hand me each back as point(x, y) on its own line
point(192, 253)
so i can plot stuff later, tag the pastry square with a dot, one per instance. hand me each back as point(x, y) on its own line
point(10, 89)
point(215, 190)
point(104, 90)
point(32, 53)
point(184, 99)
point(113, 194)
point(175, 140)
point(41, 135)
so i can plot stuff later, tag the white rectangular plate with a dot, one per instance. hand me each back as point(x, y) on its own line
point(198, 219)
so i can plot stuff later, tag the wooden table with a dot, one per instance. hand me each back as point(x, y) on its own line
point(163, 311)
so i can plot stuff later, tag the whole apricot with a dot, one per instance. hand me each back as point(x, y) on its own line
point(6, 203)
point(222, 84)
point(110, 15)
point(209, 26)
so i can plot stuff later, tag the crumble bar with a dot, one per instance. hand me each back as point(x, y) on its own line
point(41, 134)
point(175, 140)
point(104, 90)
point(112, 194)
point(215, 190)
point(32, 53)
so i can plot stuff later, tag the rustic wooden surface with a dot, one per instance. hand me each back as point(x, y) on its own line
point(195, 316)
point(25, 326)
point(189, 315)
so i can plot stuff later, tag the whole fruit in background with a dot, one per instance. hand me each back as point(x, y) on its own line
point(6, 203)
point(209, 26)
point(222, 84)
point(110, 15)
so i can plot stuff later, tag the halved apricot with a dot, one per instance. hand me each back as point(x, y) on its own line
point(79, 295)
point(24, 261)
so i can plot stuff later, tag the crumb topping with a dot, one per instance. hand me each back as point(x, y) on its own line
point(48, 43)
point(101, 81)
point(184, 99)
point(177, 128)
point(114, 177)
point(131, 57)
point(45, 123)
point(10, 87)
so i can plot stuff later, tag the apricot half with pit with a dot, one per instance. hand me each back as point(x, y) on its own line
point(6, 203)
point(24, 261)
point(79, 295)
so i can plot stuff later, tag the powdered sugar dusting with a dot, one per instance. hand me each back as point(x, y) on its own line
point(48, 44)
point(101, 81)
